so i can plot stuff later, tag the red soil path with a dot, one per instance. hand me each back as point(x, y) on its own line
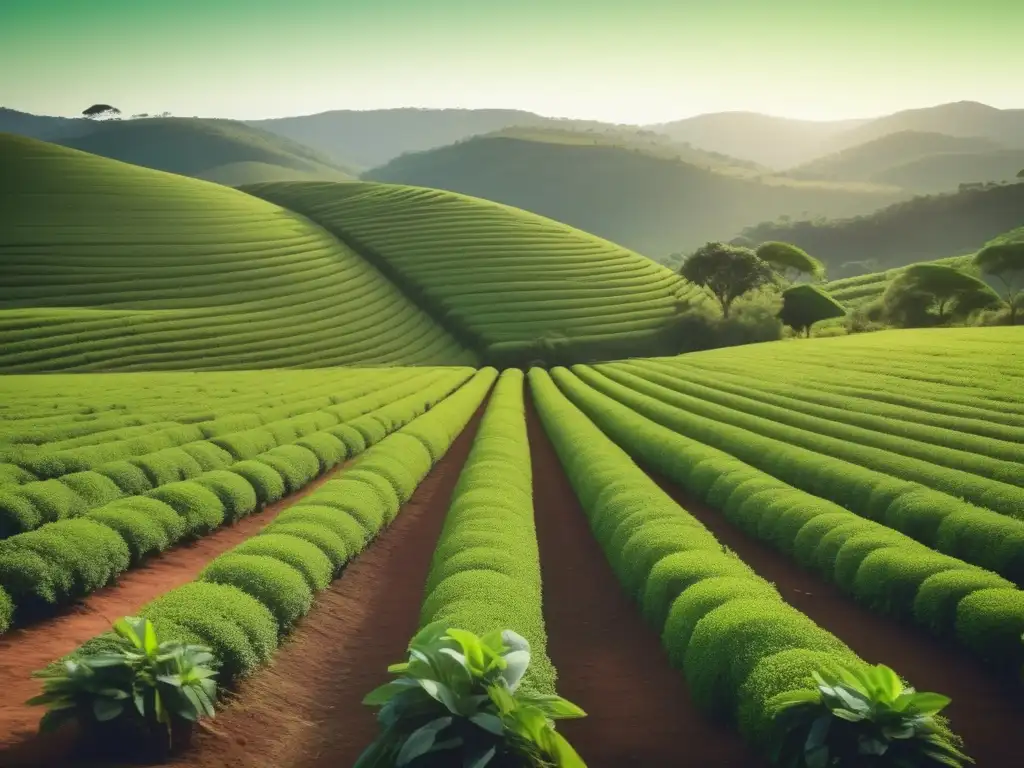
point(987, 712)
point(305, 710)
point(25, 650)
point(609, 661)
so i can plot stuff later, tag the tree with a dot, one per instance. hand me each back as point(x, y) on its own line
point(804, 305)
point(1020, 173)
point(924, 294)
point(1005, 262)
point(791, 262)
point(98, 111)
point(728, 271)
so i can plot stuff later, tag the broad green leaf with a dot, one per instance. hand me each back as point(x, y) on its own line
point(488, 722)
point(106, 709)
point(421, 740)
point(929, 703)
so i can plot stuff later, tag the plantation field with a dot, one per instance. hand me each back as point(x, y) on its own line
point(110, 266)
point(502, 280)
point(740, 518)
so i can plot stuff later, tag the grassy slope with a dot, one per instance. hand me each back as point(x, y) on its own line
point(921, 229)
point(224, 151)
point(641, 198)
point(945, 171)
point(109, 266)
point(856, 291)
point(499, 277)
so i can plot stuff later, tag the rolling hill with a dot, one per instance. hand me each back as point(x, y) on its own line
point(946, 171)
point(510, 284)
point(864, 162)
point(653, 198)
point(373, 137)
point(224, 151)
point(109, 266)
point(921, 229)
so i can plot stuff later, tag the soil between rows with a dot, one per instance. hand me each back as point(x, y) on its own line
point(305, 710)
point(27, 649)
point(987, 712)
point(609, 661)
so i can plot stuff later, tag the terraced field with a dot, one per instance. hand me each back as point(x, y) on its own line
point(731, 520)
point(501, 279)
point(109, 266)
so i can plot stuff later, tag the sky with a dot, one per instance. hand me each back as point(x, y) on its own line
point(628, 61)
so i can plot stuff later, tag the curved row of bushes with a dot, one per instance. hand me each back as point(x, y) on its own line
point(26, 507)
point(760, 423)
point(880, 567)
point(939, 444)
point(246, 600)
point(937, 520)
point(725, 628)
point(485, 574)
point(70, 558)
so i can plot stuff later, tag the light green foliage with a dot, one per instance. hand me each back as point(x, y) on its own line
point(304, 557)
point(200, 507)
point(243, 284)
point(52, 500)
point(273, 582)
point(485, 573)
point(502, 279)
point(328, 449)
point(718, 620)
point(6, 610)
point(126, 476)
point(208, 455)
point(267, 484)
point(296, 465)
point(331, 543)
point(341, 524)
point(990, 622)
point(233, 490)
point(94, 489)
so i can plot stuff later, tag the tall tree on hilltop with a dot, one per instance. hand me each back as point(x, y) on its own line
point(101, 111)
point(727, 271)
point(1005, 262)
point(926, 294)
point(804, 305)
point(790, 261)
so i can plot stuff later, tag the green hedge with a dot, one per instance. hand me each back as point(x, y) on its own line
point(94, 489)
point(723, 623)
point(250, 596)
point(235, 492)
point(200, 507)
point(485, 573)
point(883, 568)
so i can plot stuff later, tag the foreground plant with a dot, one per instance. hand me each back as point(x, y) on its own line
point(860, 718)
point(457, 702)
point(141, 684)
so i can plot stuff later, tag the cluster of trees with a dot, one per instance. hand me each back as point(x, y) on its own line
point(729, 272)
point(108, 112)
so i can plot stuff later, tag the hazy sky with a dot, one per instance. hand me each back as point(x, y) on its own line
point(618, 60)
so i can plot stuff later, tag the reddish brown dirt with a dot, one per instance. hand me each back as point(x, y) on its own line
point(609, 661)
point(988, 713)
point(24, 650)
point(306, 711)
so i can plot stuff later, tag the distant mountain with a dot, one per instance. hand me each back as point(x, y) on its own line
point(224, 151)
point(777, 142)
point(921, 229)
point(946, 171)
point(962, 118)
point(655, 197)
point(43, 126)
point(864, 162)
point(373, 137)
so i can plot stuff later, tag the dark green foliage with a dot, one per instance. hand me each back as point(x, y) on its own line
point(6, 611)
point(200, 507)
point(61, 561)
point(208, 455)
point(95, 489)
point(888, 580)
point(239, 628)
point(53, 500)
point(727, 271)
point(277, 585)
point(990, 622)
point(928, 294)
point(804, 305)
point(304, 557)
point(1004, 261)
point(674, 574)
point(233, 490)
point(12, 474)
point(328, 449)
point(939, 596)
point(168, 466)
point(132, 480)
point(265, 480)
point(328, 541)
point(296, 465)
point(17, 513)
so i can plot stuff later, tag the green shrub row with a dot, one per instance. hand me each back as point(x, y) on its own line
point(485, 574)
point(937, 520)
point(886, 570)
point(994, 459)
point(759, 422)
point(725, 628)
point(246, 600)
